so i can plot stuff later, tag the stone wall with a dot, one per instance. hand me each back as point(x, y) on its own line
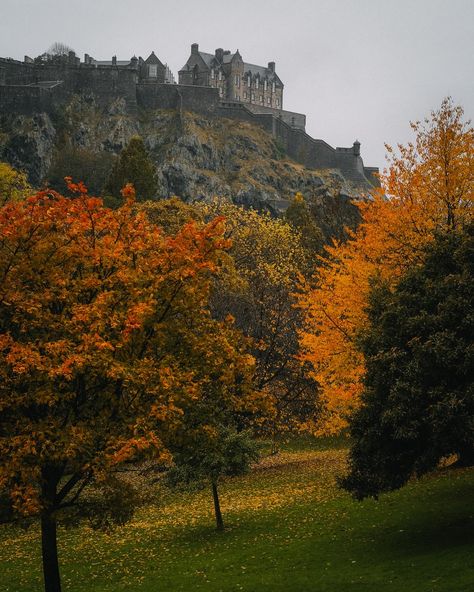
point(293, 119)
point(201, 99)
point(105, 83)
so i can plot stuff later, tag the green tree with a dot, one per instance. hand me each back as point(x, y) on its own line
point(222, 452)
point(300, 217)
point(133, 166)
point(93, 168)
point(418, 399)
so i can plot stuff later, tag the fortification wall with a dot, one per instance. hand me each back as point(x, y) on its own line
point(292, 118)
point(105, 83)
point(23, 89)
point(201, 99)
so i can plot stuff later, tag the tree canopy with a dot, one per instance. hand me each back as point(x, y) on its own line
point(428, 186)
point(96, 309)
point(417, 405)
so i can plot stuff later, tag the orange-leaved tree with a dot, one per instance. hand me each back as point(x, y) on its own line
point(91, 375)
point(429, 186)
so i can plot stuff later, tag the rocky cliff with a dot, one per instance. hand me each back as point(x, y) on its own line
point(195, 157)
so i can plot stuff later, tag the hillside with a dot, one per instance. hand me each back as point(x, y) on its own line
point(195, 157)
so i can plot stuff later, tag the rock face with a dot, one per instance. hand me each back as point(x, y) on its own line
point(195, 158)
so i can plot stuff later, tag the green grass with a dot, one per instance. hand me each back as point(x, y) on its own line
point(288, 529)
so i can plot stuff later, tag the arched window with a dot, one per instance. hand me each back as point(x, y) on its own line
point(213, 73)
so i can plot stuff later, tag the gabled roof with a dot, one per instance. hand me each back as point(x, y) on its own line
point(152, 59)
point(207, 58)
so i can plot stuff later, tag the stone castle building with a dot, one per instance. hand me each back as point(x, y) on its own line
point(236, 80)
point(214, 85)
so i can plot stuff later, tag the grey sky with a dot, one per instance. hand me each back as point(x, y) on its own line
point(358, 68)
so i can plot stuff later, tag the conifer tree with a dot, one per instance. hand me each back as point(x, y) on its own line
point(133, 166)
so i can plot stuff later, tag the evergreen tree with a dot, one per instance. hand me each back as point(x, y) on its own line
point(418, 400)
point(133, 166)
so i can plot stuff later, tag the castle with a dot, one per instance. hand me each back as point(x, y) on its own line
point(215, 85)
point(235, 79)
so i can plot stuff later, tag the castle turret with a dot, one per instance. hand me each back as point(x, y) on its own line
point(356, 148)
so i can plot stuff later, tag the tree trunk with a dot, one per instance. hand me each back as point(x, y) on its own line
point(217, 507)
point(49, 547)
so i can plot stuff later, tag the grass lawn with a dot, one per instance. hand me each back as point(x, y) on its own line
point(288, 529)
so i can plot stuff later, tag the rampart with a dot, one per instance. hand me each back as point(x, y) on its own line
point(31, 88)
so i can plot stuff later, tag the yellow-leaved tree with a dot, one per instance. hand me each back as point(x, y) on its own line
point(428, 186)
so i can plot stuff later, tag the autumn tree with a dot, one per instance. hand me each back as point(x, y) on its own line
point(428, 186)
point(133, 166)
point(418, 397)
point(14, 184)
point(91, 376)
point(258, 291)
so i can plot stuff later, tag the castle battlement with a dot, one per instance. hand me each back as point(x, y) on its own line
point(215, 85)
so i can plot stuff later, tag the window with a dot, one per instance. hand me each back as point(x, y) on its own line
point(256, 82)
point(153, 70)
point(236, 97)
point(253, 96)
point(273, 87)
point(213, 73)
point(220, 75)
point(249, 79)
point(261, 99)
point(278, 102)
point(237, 80)
point(221, 92)
point(245, 95)
point(269, 101)
point(264, 85)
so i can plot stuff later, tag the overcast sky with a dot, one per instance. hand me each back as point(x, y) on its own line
point(357, 68)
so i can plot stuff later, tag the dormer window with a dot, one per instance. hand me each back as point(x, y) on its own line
point(153, 70)
point(249, 80)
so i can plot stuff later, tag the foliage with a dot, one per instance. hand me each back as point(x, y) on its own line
point(14, 185)
point(300, 217)
point(58, 49)
point(90, 367)
point(224, 452)
point(258, 292)
point(80, 163)
point(430, 186)
point(418, 401)
point(133, 166)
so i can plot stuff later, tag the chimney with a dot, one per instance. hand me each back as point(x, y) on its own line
point(134, 62)
point(271, 66)
point(86, 58)
point(194, 48)
point(71, 57)
point(356, 148)
point(114, 60)
point(219, 54)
